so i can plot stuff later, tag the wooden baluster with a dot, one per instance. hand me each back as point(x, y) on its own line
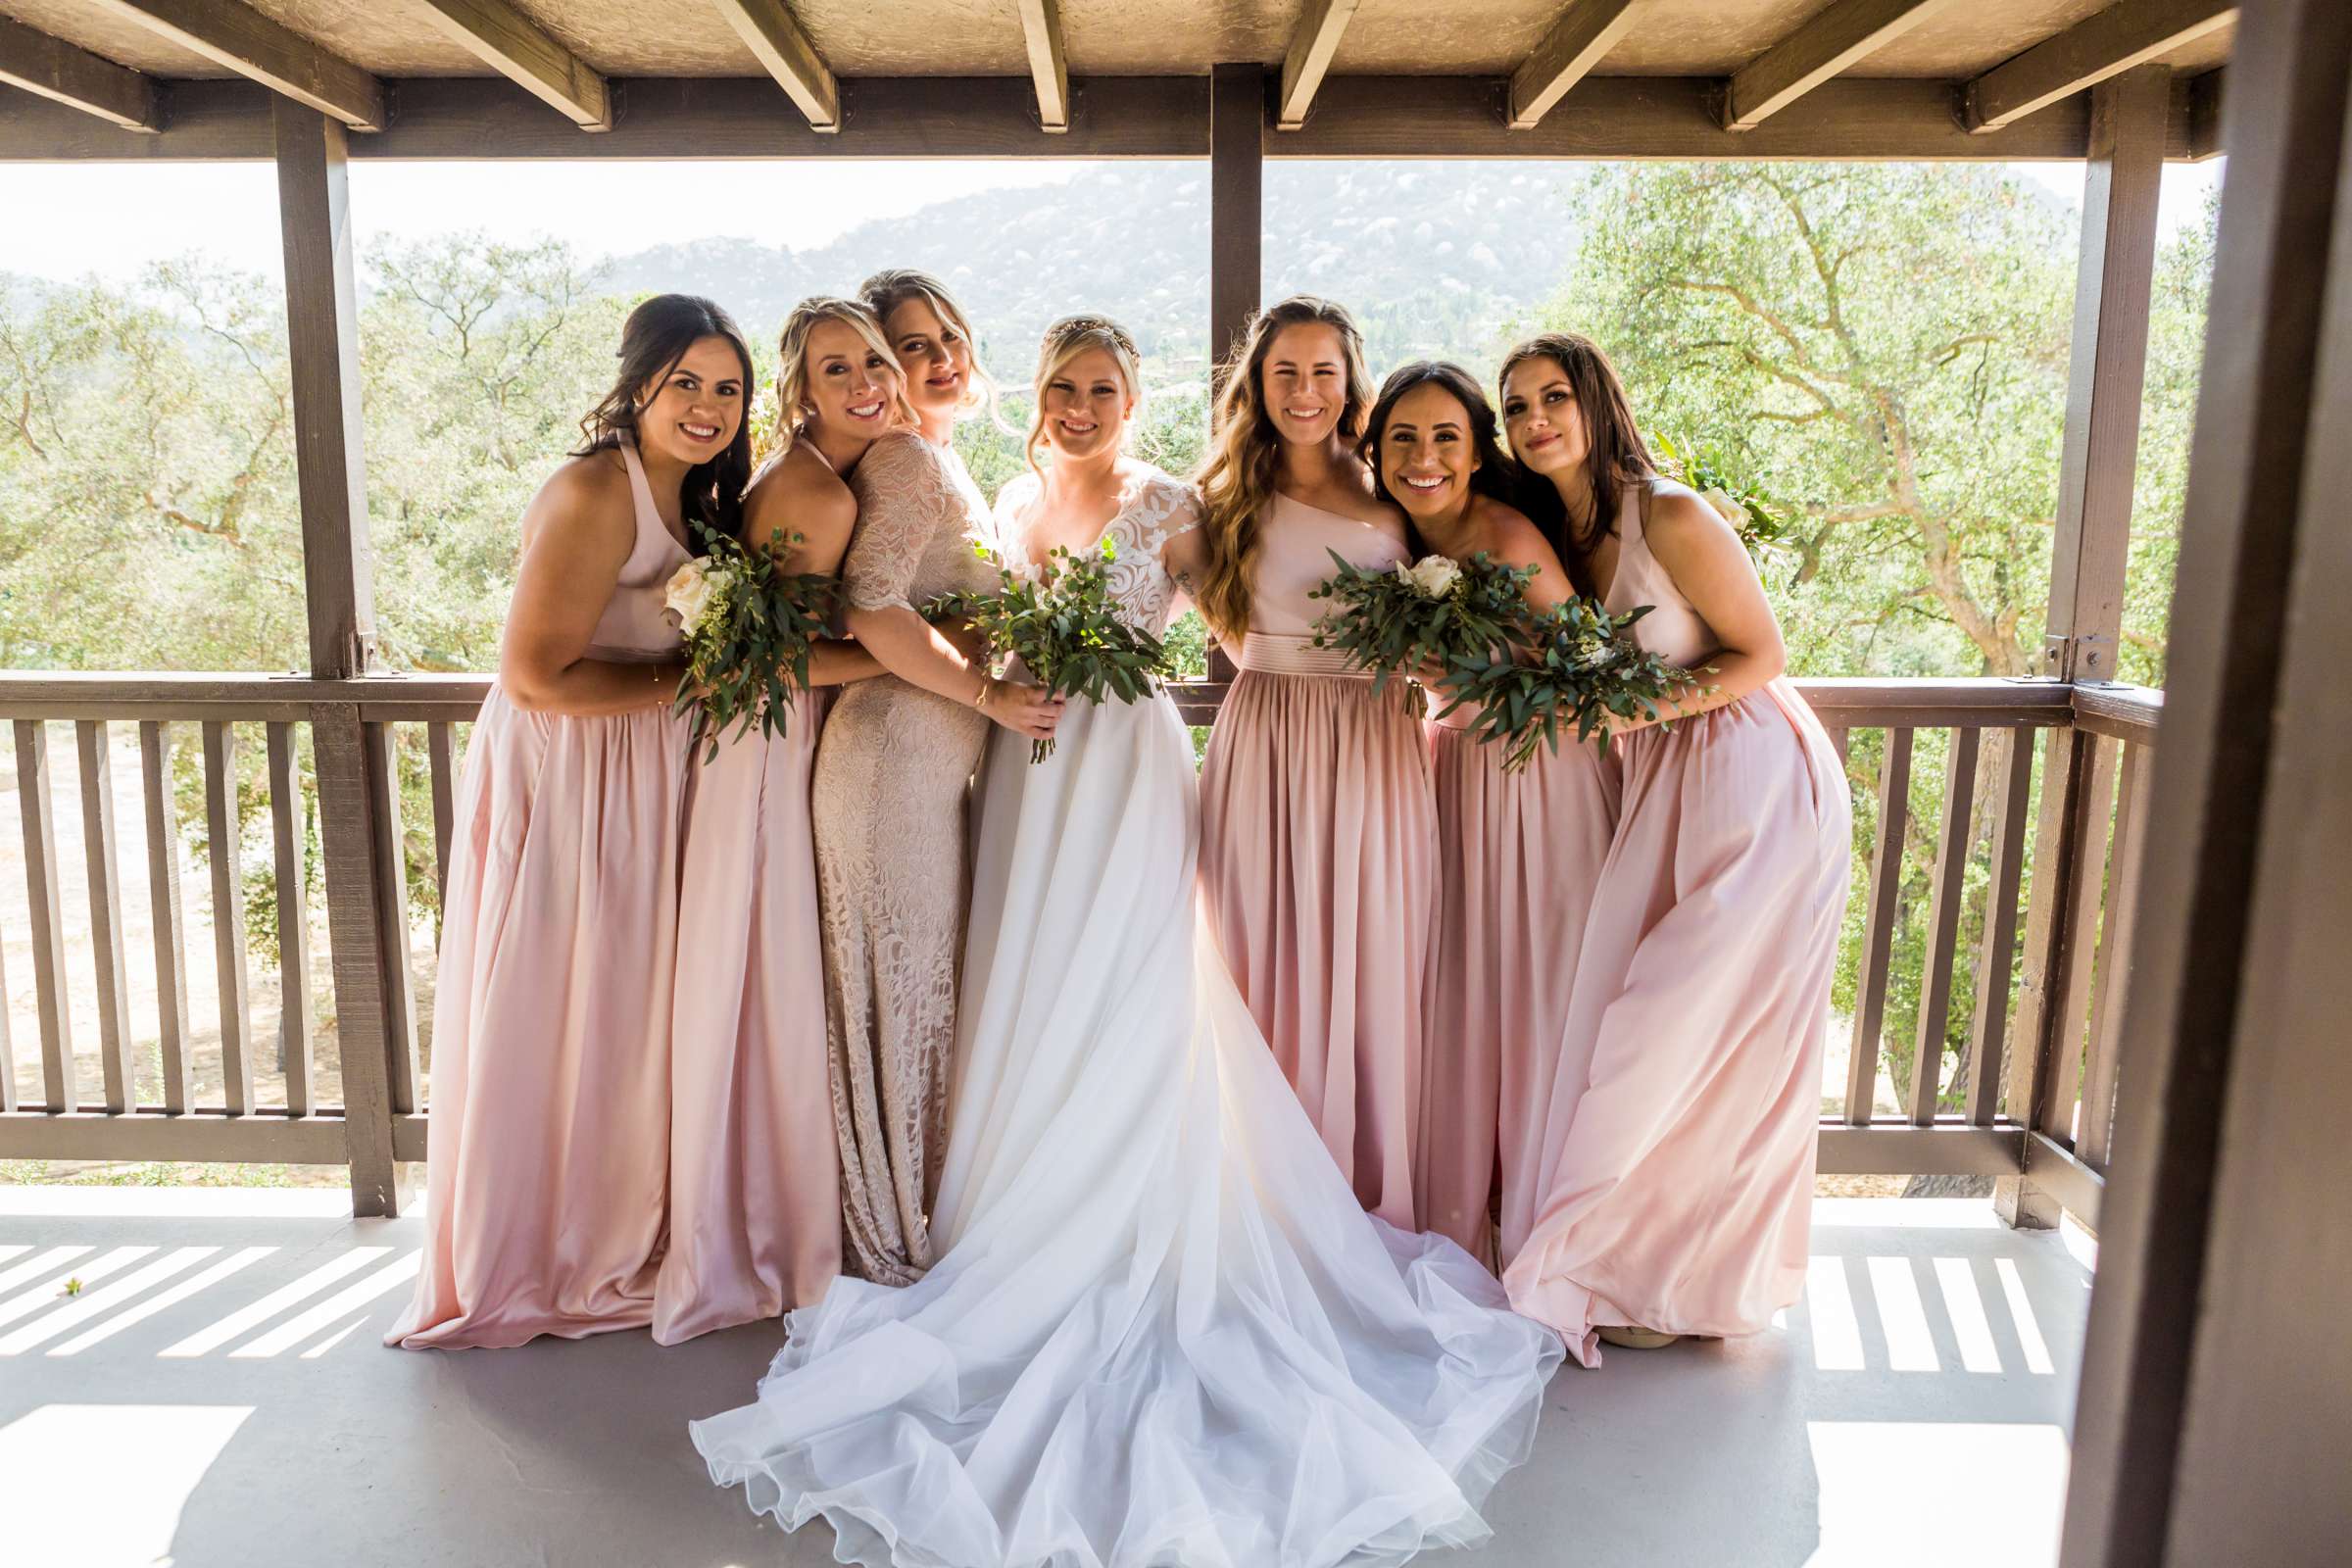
point(445, 811)
point(101, 862)
point(1837, 738)
point(392, 854)
point(293, 919)
point(1946, 891)
point(2095, 1128)
point(225, 830)
point(40, 815)
point(170, 915)
point(1878, 931)
point(1990, 1032)
point(2082, 935)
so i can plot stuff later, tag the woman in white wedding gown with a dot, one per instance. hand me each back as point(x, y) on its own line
point(1163, 1330)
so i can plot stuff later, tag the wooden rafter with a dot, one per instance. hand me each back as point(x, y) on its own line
point(1049, 63)
point(521, 50)
point(1825, 46)
point(1583, 36)
point(76, 78)
point(250, 44)
point(1309, 57)
point(771, 31)
point(2107, 42)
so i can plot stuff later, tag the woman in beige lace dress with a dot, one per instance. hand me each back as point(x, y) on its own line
point(887, 802)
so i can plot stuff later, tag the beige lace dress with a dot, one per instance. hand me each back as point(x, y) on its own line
point(887, 806)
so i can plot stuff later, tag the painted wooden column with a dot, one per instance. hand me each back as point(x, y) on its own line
point(2090, 549)
point(371, 1001)
point(2217, 1379)
point(1236, 169)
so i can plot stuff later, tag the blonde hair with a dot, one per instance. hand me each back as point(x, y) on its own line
point(894, 286)
point(1237, 477)
point(793, 412)
point(1064, 342)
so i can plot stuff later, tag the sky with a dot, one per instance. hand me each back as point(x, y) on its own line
point(112, 219)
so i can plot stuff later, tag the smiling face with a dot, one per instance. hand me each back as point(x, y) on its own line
point(1304, 381)
point(696, 410)
point(1426, 452)
point(934, 356)
point(1084, 405)
point(852, 388)
point(1540, 419)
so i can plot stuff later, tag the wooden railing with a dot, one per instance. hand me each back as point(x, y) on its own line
point(1946, 902)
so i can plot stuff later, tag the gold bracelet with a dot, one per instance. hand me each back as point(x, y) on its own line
point(988, 689)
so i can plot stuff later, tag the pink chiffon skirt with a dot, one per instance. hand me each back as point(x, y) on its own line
point(1522, 853)
point(755, 1173)
point(546, 1193)
point(1319, 875)
point(1676, 1180)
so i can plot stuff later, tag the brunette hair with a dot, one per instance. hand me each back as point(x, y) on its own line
point(1615, 456)
point(1496, 476)
point(657, 335)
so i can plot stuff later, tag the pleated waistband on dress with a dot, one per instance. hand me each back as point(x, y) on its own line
point(1272, 653)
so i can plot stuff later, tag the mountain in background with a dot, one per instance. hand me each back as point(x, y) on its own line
point(1435, 258)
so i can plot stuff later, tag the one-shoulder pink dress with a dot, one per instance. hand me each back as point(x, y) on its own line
point(1319, 859)
point(547, 1184)
point(1675, 1186)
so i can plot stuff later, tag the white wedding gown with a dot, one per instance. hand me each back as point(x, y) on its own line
point(1162, 1331)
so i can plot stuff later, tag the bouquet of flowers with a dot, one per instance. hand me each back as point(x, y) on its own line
point(1571, 667)
point(1435, 613)
point(1065, 629)
point(1752, 513)
point(750, 627)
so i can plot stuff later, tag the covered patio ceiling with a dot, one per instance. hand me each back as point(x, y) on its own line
point(541, 78)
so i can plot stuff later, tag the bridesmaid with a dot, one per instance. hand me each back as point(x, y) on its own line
point(1318, 853)
point(1675, 1183)
point(887, 798)
point(755, 1180)
point(1521, 850)
point(547, 1183)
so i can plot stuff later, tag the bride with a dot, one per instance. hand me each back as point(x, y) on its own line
point(1163, 1330)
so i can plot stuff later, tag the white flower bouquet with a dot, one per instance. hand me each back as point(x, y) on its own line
point(750, 628)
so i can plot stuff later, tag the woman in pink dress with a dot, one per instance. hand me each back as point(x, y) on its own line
point(1319, 837)
point(1520, 852)
point(754, 1178)
point(1675, 1182)
point(546, 1186)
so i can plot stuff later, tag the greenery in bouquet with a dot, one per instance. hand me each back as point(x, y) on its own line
point(1403, 621)
point(1570, 669)
point(1066, 629)
point(1759, 521)
point(749, 628)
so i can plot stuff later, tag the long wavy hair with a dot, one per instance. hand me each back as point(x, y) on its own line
point(1615, 456)
point(793, 412)
point(652, 340)
point(894, 286)
point(1236, 476)
point(1497, 475)
point(1064, 342)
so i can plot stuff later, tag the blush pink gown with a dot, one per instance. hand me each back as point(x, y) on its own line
point(1521, 855)
point(1675, 1185)
point(755, 1174)
point(545, 1191)
point(1319, 861)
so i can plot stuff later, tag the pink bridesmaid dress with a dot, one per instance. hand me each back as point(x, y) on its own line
point(755, 1173)
point(546, 1193)
point(1522, 853)
point(1675, 1185)
point(1319, 861)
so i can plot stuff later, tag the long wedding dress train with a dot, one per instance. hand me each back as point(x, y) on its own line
point(1163, 1330)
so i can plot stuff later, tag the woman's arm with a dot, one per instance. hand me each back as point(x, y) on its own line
point(1515, 541)
point(813, 510)
point(577, 534)
point(1711, 568)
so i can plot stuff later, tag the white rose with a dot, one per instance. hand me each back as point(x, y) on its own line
point(691, 591)
point(1730, 510)
point(1434, 575)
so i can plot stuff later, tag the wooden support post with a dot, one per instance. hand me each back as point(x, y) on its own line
point(2215, 1369)
point(1236, 169)
point(339, 590)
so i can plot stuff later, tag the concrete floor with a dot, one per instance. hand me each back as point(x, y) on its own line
point(217, 1396)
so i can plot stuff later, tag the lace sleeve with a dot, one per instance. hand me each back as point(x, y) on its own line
point(1168, 508)
point(898, 486)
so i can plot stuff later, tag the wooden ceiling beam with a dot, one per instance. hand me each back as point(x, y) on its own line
point(1826, 46)
point(521, 51)
point(2103, 44)
point(252, 45)
point(76, 78)
point(771, 31)
point(1313, 47)
point(1049, 63)
point(1585, 33)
